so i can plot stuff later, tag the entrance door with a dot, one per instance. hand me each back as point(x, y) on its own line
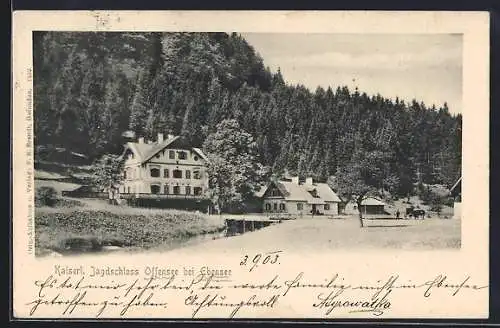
point(313, 209)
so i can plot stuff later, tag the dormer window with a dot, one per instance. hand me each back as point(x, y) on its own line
point(182, 155)
point(314, 193)
point(196, 158)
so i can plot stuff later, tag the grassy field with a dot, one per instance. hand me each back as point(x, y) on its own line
point(97, 225)
point(88, 225)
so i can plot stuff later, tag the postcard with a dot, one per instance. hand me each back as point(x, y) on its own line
point(250, 165)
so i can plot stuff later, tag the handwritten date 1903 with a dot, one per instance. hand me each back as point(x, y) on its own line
point(253, 262)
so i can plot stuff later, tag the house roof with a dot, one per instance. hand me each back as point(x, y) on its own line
point(371, 201)
point(303, 192)
point(147, 151)
point(327, 193)
point(200, 152)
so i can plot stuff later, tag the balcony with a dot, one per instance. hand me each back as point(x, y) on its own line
point(161, 196)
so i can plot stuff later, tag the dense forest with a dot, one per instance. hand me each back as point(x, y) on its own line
point(89, 88)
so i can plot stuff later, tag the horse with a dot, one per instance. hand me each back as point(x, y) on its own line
point(416, 213)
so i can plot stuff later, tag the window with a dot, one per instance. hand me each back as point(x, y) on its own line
point(165, 189)
point(300, 206)
point(177, 174)
point(158, 155)
point(275, 206)
point(196, 158)
point(188, 190)
point(125, 174)
point(128, 190)
point(188, 174)
point(177, 190)
point(314, 193)
point(275, 193)
point(198, 191)
point(165, 173)
point(327, 207)
point(282, 207)
point(155, 173)
point(197, 174)
point(268, 207)
point(182, 155)
point(171, 154)
point(155, 189)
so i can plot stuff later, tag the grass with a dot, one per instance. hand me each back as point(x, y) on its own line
point(97, 224)
point(84, 225)
point(89, 225)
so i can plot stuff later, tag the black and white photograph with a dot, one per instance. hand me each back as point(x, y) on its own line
point(189, 165)
point(163, 140)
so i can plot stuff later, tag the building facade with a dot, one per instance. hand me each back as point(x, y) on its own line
point(299, 198)
point(164, 169)
point(369, 205)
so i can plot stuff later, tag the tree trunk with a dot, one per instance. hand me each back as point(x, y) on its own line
point(110, 195)
point(360, 214)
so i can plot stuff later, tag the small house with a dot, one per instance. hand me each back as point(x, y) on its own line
point(291, 196)
point(369, 205)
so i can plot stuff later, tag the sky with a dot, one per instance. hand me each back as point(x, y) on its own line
point(427, 67)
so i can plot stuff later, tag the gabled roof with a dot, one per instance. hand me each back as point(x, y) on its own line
point(303, 192)
point(200, 152)
point(327, 193)
point(371, 201)
point(145, 151)
point(296, 191)
point(158, 147)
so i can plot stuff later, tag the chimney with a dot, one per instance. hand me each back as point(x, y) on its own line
point(141, 140)
point(309, 181)
point(295, 180)
point(160, 137)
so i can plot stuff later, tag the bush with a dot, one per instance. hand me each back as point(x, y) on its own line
point(61, 202)
point(46, 196)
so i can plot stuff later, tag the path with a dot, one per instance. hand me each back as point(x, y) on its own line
point(321, 234)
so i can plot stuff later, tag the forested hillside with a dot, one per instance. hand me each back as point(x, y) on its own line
point(91, 87)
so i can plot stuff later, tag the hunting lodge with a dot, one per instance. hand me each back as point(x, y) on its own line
point(166, 170)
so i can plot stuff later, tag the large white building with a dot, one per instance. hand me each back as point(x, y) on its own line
point(163, 169)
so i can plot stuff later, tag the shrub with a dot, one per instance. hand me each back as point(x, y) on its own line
point(46, 196)
point(61, 202)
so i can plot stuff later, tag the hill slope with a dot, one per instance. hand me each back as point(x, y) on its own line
point(91, 87)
